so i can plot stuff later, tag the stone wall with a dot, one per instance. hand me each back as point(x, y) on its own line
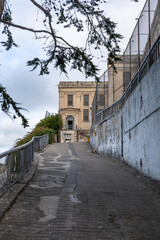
point(133, 132)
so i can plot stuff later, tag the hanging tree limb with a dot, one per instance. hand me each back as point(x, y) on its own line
point(60, 52)
point(6, 102)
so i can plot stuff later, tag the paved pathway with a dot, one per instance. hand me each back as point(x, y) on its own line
point(76, 194)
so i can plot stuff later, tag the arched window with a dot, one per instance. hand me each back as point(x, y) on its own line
point(69, 122)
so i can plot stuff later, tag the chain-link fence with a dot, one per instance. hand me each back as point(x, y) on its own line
point(100, 100)
point(142, 39)
point(152, 57)
point(113, 84)
point(16, 161)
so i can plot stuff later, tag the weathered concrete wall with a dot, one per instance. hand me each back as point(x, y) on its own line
point(133, 133)
point(106, 137)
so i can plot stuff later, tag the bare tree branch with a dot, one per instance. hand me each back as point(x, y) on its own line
point(46, 12)
point(25, 28)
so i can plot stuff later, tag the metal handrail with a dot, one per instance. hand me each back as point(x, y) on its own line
point(12, 150)
point(83, 131)
point(16, 161)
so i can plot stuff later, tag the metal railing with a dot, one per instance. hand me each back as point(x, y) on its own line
point(142, 39)
point(82, 131)
point(153, 55)
point(16, 161)
point(100, 101)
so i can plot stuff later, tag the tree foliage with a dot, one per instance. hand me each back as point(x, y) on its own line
point(6, 102)
point(69, 13)
point(79, 14)
point(47, 125)
point(7, 18)
point(39, 131)
point(52, 122)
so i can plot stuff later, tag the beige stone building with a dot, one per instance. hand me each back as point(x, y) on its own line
point(144, 36)
point(75, 99)
point(115, 82)
point(100, 100)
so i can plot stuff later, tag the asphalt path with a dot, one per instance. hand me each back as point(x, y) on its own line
point(76, 194)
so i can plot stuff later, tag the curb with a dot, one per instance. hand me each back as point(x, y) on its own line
point(8, 199)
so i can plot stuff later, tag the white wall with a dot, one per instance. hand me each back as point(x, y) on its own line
point(137, 140)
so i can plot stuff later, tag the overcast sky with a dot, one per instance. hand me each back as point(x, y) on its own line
point(40, 93)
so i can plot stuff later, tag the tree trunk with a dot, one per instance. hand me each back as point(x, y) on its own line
point(1, 7)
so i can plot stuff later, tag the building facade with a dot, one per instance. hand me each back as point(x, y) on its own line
point(75, 99)
point(115, 82)
point(143, 38)
point(100, 100)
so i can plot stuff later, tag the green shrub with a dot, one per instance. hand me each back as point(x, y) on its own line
point(48, 125)
point(52, 122)
point(38, 131)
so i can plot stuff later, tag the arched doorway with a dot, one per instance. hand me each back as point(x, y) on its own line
point(69, 122)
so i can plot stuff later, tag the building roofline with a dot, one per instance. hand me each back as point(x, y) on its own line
point(82, 84)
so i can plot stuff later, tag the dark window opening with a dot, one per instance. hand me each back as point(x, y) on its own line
point(85, 115)
point(70, 100)
point(101, 100)
point(86, 100)
point(70, 124)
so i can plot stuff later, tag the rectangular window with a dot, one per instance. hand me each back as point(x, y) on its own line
point(101, 100)
point(67, 136)
point(70, 100)
point(85, 100)
point(70, 124)
point(85, 115)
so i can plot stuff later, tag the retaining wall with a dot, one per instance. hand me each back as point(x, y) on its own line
point(133, 132)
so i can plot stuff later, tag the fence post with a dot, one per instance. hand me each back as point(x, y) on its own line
point(21, 162)
point(101, 116)
point(9, 165)
point(32, 150)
